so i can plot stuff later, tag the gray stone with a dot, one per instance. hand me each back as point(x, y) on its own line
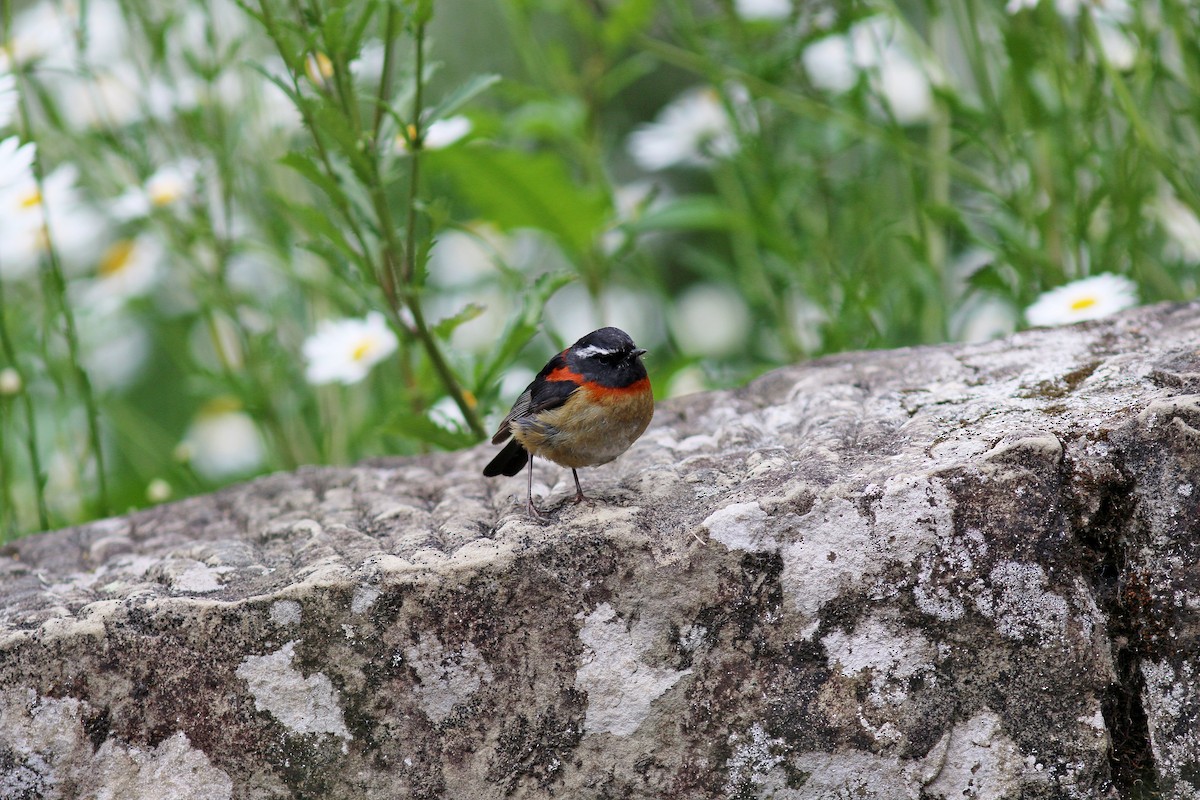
point(945, 572)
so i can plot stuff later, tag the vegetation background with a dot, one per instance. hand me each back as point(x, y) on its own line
point(238, 237)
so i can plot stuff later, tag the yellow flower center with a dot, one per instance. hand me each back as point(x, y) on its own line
point(116, 258)
point(34, 198)
point(163, 194)
point(360, 351)
point(1082, 303)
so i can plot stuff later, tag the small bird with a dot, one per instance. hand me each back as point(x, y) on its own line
point(586, 407)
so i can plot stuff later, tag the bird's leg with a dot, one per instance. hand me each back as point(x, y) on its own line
point(533, 512)
point(579, 495)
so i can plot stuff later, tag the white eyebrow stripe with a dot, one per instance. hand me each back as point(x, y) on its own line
point(593, 350)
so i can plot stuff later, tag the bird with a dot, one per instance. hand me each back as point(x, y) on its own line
point(586, 407)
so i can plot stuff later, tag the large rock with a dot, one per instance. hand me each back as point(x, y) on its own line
point(946, 572)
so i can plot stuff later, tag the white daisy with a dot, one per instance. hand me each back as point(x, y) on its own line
point(1088, 298)
point(167, 186)
point(127, 268)
point(16, 169)
point(61, 36)
point(223, 441)
point(25, 207)
point(692, 130)
point(877, 47)
point(345, 350)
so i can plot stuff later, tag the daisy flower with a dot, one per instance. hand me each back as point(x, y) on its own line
point(692, 130)
point(1088, 298)
point(167, 186)
point(875, 47)
point(25, 206)
point(16, 168)
point(223, 441)
point(127, 268)
point(345, 350)
point(50, 33)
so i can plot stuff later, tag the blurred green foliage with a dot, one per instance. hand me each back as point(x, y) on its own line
point(738, 183)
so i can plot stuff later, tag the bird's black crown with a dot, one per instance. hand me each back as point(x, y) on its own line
point(607, 356)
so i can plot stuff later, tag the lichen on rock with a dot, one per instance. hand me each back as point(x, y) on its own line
point(960, 571)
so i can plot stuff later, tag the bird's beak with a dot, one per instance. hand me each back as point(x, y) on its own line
point(639, 352)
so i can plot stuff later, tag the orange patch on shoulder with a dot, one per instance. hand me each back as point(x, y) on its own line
point(565, 374)
point(612, 393)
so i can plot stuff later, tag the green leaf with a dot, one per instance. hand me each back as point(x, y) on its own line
point(520, 330)
point(444, 327)
point(466, 92)
point(625, 20)
point(314, 174)
point(317, 223)
point(995, 278)
point(526, 190)
point(333, 126)
point(559, 118)
point(424, 429)
point(693, 212)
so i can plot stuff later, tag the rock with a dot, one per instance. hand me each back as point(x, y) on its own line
point(946, 572)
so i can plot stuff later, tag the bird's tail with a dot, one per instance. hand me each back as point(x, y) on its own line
point(508, 461)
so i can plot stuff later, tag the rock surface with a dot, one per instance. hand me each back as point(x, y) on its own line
point(948, 572)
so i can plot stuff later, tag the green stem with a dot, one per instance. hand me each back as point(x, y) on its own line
point(31, 431)
point(385, 79)
point(58, 285)
point(408, 266)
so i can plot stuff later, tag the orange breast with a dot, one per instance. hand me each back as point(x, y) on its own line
point(616, 394)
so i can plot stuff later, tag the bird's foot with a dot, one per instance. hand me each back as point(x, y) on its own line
point(580, 497)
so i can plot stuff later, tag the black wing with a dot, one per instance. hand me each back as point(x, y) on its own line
point(541, 395)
